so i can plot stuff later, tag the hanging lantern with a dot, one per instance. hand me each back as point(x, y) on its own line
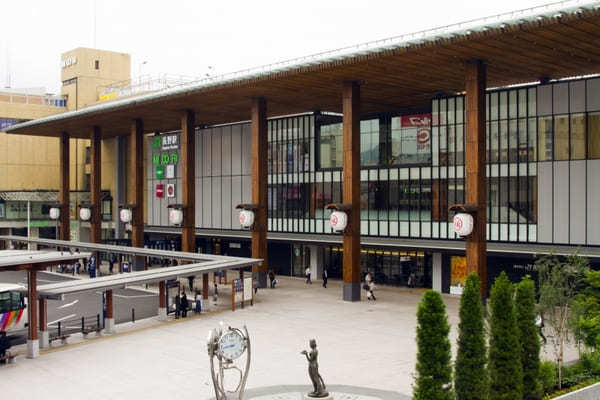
point(463, 224)
point(338, 220)
point(54, 213)
point(176, 216)
point(246, 218)
point(125, 215)
point(85, 213)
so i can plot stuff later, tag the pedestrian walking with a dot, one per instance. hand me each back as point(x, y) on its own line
point(539, 322)
point(307, 274)
point(198, 304)
point(324, 275)
point(177, 305)
point(191, 282)
point(369, 286)
point(272, 279)
point(111, 263)
point(184, 305)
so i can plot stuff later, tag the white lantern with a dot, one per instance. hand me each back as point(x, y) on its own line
point(246, 218)
point(85, 214)
point(54, 213)
point(338, 220)
point(125, 215)
point(176, 216)
point(463, 224)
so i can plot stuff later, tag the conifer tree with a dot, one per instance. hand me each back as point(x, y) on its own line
point(433, 370)
point(506, 374)
point(470, 376)
point(529, 339)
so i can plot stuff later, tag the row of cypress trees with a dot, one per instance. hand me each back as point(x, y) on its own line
point(508, 371)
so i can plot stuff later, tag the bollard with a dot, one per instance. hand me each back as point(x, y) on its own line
point(133, 315)
point(97, 321)
point(58, 328)
point(82, 324)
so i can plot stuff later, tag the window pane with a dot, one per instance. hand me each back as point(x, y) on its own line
point(594, 135)
point(577, 136)
point(561, 137)
point(545, 139)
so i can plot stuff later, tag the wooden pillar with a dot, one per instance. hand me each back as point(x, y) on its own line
point(162, 294)
point(64, 188)
point(43, 311)
point(95, 161)
point(109, 304)
point(475, 82)
point(351, 189)
point(259, 188)
point(33, 344)
point(136, 189)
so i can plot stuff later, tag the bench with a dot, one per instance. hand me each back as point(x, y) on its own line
point(91, 329)
point(63, 338)
point(8, 357)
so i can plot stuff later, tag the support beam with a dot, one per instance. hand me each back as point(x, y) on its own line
point(259, 188)
point(44, 335)
point(136, 188)
point(162, 301)
point(351, 189)
point(475, 83)
point(109, 322)
point(33, 345)
point(64, 186)
point(95, 173)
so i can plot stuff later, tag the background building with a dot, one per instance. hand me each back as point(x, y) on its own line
point(30, 164)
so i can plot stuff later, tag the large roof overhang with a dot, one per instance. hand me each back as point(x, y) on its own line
point(554, 41)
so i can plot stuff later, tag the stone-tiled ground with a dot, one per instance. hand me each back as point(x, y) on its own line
point(365, 344)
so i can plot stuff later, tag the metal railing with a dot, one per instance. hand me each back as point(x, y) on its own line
point(68, 327)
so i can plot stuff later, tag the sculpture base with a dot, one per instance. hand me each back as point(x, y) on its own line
point(327, 396)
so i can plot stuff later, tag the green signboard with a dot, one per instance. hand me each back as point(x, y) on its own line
point(160, 172)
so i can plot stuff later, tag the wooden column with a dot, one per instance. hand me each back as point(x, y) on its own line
point(351, 189)
point(64, 188)
point(259, 188)
point(32, 303)
point(475, 82)
point(43, 311)
point(95, 220)
point(162, 294)
point(109, 304)
point(136, 188)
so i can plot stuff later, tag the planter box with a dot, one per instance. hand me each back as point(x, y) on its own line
point(587, 393)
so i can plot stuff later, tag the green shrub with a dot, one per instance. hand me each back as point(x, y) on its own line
point(528, 338)
point(548, 376)
point(505, 369)
point(433, 370)
point(470, 377)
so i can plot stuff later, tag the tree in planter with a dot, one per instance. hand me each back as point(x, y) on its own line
point(529, 339)
point(433, 370)
point(505, 369)
point(471, 381)
point(559, 283)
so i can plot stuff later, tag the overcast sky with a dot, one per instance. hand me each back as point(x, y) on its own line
point(181, 37)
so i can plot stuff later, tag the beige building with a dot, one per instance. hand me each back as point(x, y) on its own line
point(30, 163)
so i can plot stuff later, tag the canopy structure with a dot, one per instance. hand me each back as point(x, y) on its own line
point(547, 42)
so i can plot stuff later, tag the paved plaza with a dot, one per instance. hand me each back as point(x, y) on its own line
point(361, 345)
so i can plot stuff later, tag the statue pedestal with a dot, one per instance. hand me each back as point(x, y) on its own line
point(307, 397)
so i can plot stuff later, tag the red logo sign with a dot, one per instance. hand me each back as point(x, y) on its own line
point(160, 190)
point(334, 220)
point(242, 218)
point(458, 224)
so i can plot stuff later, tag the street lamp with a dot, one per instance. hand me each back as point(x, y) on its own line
point(247, 215)
point(339, 216)
point(176, 213)
point(85, 211)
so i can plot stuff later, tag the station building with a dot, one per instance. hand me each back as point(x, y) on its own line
point(275, 137)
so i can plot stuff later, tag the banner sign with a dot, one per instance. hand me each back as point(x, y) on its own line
point(160, 189)
point(170, 190)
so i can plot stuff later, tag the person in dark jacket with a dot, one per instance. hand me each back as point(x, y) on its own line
point(324, 277)
point(184, 305)
point(177, 305)
point(271, 279)
point(4, 345)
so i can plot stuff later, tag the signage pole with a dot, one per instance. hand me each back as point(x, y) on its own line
point(28, 224)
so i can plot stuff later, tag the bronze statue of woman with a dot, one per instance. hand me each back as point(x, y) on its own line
point(313, 371)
